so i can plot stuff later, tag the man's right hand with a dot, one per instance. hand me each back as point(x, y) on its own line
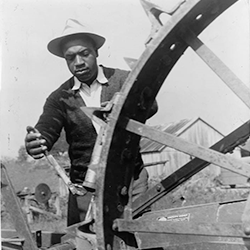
point(34, 143)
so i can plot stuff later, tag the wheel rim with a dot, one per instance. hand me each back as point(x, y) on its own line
point(118, 146)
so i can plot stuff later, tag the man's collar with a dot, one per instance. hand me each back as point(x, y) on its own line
point(100, 78)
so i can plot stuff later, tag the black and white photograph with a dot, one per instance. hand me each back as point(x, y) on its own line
point(125, 124)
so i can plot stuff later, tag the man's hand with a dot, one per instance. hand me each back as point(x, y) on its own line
point(104, 104)
point(34, 143)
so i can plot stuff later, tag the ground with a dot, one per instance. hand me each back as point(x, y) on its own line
point(198, 190)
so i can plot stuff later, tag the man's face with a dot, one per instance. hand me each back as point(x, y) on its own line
point(81, 57)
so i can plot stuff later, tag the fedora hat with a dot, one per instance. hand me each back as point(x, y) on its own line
point(73, 28)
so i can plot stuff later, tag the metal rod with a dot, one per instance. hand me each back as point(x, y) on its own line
point(219, 68)
point(212, 156)
point(225, 145)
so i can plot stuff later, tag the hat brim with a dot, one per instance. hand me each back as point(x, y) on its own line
point(55, 45)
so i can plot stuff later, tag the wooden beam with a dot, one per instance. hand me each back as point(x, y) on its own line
point(185, 228)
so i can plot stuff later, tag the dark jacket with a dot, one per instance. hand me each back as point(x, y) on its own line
point(62, 110)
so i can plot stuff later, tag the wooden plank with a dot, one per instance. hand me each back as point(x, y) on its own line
point(11, 246)
point(189, 242)
point(181, 227)
point(48, 238)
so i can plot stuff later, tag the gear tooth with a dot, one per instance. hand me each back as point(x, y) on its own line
point(130, 62)
point(153, 12)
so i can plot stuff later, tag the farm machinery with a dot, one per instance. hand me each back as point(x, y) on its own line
point(115, 221)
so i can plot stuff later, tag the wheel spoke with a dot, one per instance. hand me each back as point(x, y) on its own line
point(184, 146)
point(219, 68)
point(225, 145)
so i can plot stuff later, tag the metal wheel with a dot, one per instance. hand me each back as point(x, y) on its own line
point(116, 148)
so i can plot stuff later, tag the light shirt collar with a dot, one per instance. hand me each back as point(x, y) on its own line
point(100, 78)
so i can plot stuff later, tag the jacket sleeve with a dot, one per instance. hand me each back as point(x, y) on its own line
point(50, 122)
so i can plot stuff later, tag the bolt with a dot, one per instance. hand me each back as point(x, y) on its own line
point(158, 188)
point(120, 208)
point(166, 60)
point(106, 209)
point(126, 154)
point(247, 230)
point(124, 191)
point(144, 98)
point(115, 226)
point(128, 139)
point(214, 10)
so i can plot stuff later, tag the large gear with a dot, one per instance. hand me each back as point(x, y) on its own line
point(116, 148)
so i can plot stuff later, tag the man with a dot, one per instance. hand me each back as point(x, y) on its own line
point(90, 85)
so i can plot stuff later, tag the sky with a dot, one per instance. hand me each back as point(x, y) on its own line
point(29, 73)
